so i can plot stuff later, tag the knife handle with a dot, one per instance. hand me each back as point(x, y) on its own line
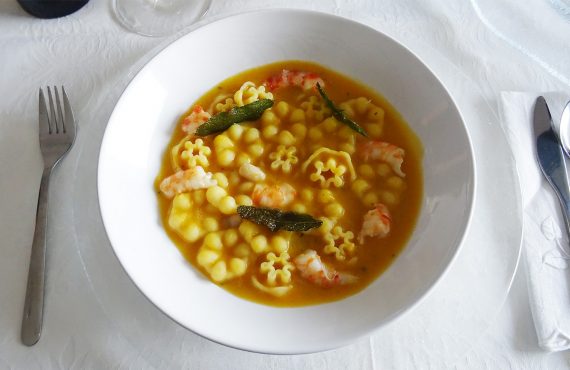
point(564, 199)
point(566, 214)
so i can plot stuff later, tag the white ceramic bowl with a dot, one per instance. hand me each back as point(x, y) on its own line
point(143, 121)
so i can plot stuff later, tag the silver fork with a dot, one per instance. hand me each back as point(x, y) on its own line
point(57, 134)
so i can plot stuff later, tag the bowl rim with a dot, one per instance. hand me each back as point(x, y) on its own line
point(338, 342)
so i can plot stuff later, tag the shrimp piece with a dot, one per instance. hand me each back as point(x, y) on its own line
point(389, 153)
point(182, 181)
point(195, 119)
point(273, 196)
point(317, 272)
point(376, 223)
point(304, 80)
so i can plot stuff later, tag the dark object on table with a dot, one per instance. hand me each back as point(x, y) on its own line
point(51, 8)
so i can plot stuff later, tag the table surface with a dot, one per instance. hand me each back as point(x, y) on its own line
point(89, 52)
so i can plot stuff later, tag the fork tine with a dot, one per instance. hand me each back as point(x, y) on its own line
point(44, 127)
point(60, 114)
point(52, 118)
point(69, 119)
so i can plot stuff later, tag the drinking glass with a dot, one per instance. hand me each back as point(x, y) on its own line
point(159, 17)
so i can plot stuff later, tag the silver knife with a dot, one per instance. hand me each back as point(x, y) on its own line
point(550, 156)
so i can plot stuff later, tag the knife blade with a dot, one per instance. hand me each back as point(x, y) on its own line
point(550, 156)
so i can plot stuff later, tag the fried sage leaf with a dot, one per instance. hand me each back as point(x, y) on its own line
point(275, 219)
point(339, 114)
point(222, 121)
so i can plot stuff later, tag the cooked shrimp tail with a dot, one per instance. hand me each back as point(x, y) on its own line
point(317, 272)
point(197, 117)
point(386, 152)
point(376, 223)
point(183, 181)
point(273, 196)
point(286, 78)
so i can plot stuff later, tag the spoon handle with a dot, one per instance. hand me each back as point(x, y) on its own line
point(558, 181)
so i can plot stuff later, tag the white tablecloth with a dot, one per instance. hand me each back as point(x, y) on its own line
point(89, 53)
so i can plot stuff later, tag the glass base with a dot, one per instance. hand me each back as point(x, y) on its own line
point(158, 18)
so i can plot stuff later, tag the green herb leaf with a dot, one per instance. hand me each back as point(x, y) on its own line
point(275, 219)
point(339, 114)
point(222, 121)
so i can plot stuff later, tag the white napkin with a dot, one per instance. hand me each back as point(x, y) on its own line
point(545, 252)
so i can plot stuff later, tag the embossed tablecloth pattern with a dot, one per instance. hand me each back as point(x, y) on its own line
point(89, 53)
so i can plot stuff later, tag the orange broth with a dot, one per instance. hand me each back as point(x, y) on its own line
point(402, 195)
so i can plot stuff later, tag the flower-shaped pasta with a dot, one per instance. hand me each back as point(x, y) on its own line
point(223, 256)
point(183, 218)
point(336, 173)
point(221, 103)
point(315, 108)
point(246, 94)
point(277, 269)
point(284, 157)
point(175, 154)
point(249, 93)
point(195, 153)
point(328, 167)
point(339, 243)
point(277, 273)
point(277, 291)
point(224, 105)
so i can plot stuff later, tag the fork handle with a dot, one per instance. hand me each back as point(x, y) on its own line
point(34, 303)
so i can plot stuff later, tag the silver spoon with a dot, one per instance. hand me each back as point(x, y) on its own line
point(564, 132)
